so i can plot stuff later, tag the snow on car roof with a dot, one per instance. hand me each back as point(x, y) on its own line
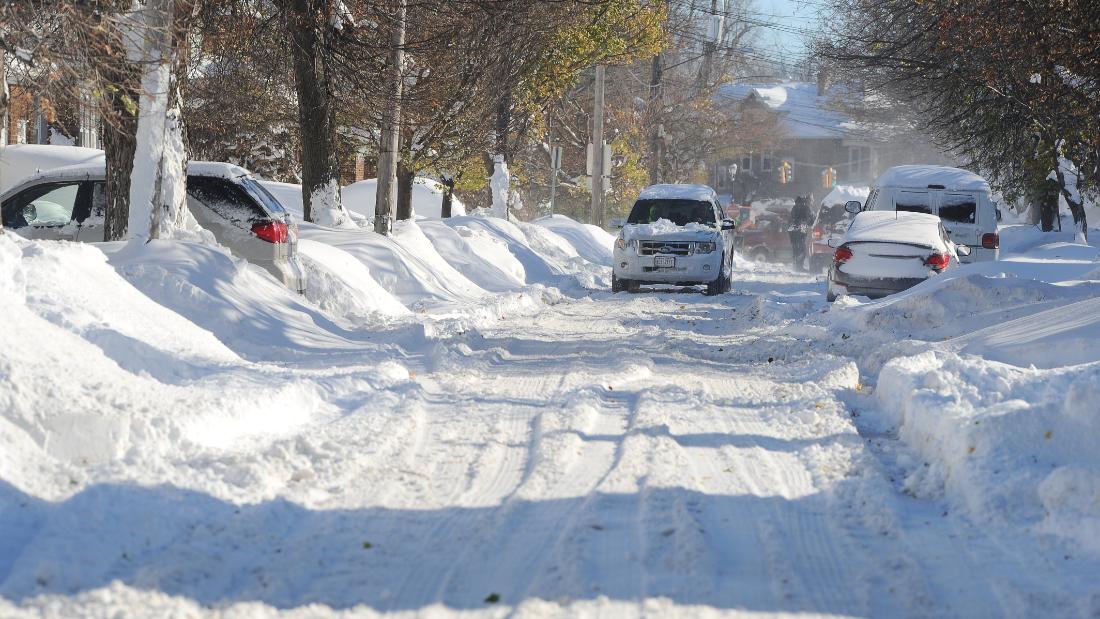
point(217, 169)
point(896, 227)
point(677, 191)
point(924, 175)
point(19, 162)
point(94, 169)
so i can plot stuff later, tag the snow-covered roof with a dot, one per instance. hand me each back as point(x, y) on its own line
point(895, 226)
point(677, 191)
point(922, 176)
point(803, 113)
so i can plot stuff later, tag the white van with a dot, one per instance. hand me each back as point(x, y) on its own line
point(961, 199)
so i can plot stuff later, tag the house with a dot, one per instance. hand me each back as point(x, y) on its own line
point(816, 145)
point(34, 118)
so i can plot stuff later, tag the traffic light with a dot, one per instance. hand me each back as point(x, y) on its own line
point(828, 178)
point(785, 170)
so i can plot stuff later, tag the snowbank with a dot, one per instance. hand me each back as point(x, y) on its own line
point(989, 376)
point(97, 373)
point(546, 258)
point(1002, 443)
point(592, 243)
point(427, 198)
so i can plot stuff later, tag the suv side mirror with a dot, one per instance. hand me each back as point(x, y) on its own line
point(962, 250)
point(853, 206)
point(618, 222)
point(30, 213)
point(833, 242)
point(729, 224)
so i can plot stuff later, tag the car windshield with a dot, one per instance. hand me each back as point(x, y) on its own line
point(678, 211)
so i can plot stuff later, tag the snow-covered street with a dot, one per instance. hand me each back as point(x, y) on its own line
point(604, 454)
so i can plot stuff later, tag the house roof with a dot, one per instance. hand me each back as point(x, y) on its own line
point(803, 114)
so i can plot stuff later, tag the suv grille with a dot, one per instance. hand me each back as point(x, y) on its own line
point(649, 248)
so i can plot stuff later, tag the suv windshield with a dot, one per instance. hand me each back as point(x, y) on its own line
point(679, 212)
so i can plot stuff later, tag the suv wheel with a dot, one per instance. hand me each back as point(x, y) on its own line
point(623, 285)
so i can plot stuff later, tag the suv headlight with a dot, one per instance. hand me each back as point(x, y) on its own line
point(622, 243)
point(704, 248)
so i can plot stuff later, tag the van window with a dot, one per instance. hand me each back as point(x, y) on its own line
point(959, 207)
point(913, 201)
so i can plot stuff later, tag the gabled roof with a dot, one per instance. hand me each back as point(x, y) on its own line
point(803, 114)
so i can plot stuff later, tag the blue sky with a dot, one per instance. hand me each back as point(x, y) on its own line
point(791, 15)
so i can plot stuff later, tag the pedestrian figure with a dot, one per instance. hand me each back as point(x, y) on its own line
point(801, 220)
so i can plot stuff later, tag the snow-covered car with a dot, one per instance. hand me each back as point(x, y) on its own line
point(675, 234)
point(886, 252)
point(69, 203)
point(961, 199)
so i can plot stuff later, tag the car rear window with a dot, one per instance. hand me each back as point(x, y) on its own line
point(226, 199)
point(262, 195)
point(913, 201)
point(959, 207)
point(679, 212)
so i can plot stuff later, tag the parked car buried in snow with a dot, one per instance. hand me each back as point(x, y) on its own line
point(69, 203)
point(886, 252)
point(675, 234)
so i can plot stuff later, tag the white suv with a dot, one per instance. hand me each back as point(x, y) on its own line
point(675, 234)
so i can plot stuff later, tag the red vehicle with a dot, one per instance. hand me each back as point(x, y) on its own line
point(766, 238)
point(831, 221)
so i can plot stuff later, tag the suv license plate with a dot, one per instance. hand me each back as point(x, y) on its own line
point(664, 261)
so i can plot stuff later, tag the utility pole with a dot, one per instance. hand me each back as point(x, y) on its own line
point(710, 46)
point(555, 166)
point(655, 129)
point(386, 196)
point(597, 149)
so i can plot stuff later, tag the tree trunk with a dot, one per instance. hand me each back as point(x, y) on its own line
point(1069, 185)
point(306, 22)
point(405, 178)
point(1047, 205)
point(4, 97)
point(119, 144)
point(448, 197)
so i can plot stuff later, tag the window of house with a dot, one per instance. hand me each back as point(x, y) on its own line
point(746, 163)
point(766, 162)
point(859, 161)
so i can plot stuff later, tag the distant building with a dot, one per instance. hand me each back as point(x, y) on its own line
point(35, 119)
point(817, 141)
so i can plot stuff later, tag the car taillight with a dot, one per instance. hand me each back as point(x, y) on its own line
point(818, 233)
point(842, 255)
point(938, 262)
point(271, 231)
point(991, 240)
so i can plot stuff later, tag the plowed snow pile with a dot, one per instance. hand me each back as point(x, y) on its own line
point(1000, 413)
